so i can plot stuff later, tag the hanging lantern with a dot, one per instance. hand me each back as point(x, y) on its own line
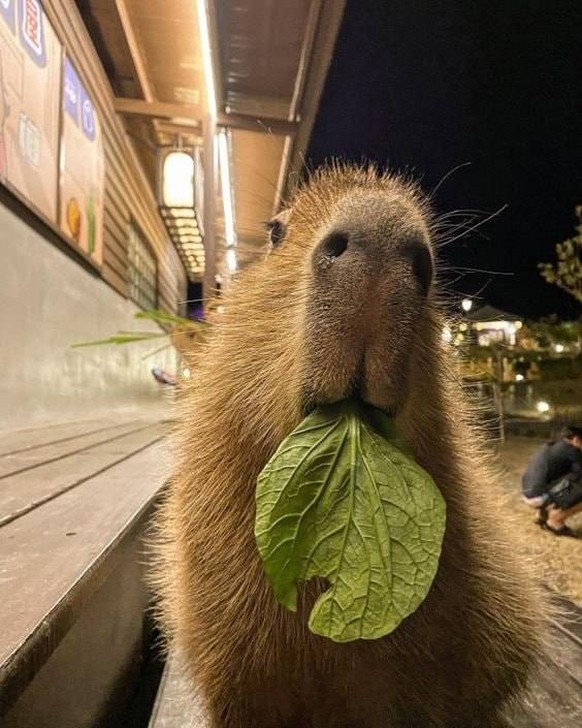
point(177, 204)
point(178, 180)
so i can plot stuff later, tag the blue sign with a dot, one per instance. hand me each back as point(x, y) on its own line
point(87, 115)
point(71, 91)
point(31, 24)
point(77, 103)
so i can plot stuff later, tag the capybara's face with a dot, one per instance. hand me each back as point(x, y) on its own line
point(355, 251)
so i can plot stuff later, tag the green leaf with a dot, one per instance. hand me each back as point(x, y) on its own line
point(118, 339)
point(340, 500)
point(163, 317)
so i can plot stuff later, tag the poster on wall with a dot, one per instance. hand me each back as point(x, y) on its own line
point(82, 166)
point(30, 82)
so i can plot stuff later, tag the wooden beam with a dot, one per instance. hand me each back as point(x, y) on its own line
point(322, 46)
point(188, 115)
point(134, 50)
point(192, 134)
point(261, 124)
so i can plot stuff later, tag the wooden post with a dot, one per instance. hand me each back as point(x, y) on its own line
point(209, 214)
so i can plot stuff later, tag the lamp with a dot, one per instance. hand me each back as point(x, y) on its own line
point(176, 201)
point(178, 180)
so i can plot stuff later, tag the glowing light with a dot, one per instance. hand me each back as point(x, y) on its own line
point(224, 164)
point(519, 377)
point(178, 180)
point(518, 325)
point(462, 327)
point(466, 304)
point(559, 348)
point(231, 259)
point(204, 27)
point(447, 334)
point(542, 406)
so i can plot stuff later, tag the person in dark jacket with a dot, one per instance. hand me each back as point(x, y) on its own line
point(552, 482)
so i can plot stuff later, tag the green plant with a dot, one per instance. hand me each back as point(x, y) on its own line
point(176, 326)
point(566, 272)
point(341, 499)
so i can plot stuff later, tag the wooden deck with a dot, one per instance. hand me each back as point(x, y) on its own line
point(555, 696)
point(74, 501)
point(554, 699)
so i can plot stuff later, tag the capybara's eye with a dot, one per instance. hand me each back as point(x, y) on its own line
point(276, 232)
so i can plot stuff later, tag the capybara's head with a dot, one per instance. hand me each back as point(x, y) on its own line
point(337, 306)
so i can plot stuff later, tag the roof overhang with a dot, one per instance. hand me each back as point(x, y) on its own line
point(264, 62)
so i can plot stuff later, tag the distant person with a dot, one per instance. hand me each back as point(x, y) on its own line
point(552, 482)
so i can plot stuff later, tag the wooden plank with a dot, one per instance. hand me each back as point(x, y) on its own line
point(554, 699)
point(55, 558)
point(116, 222)
point(159, 110)
point(134, 50)
point(566, 654)
point(28, 459)
point(177, 703)
point(111, 276)
point(115, 262)
point(569, 616)
point(117, 229)
point(30, 489)
point(15, 441)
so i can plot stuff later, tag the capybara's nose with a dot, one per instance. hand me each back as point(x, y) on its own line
point(355, 247)
point(360, 250)
point(332, 246)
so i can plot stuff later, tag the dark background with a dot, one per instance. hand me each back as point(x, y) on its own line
point(426, 85)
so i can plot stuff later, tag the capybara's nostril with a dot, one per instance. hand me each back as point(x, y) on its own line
point(422, 266)
point(333, 245)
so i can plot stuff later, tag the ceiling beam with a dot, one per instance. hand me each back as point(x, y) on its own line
point(134, 50)
point(261, 124)
point(322, 47)
point(188, 115)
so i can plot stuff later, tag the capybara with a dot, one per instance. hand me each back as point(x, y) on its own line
point(343, 303)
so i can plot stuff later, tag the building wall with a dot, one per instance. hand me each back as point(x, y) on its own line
point(48, 301)
point(127, 191)
point(51, 297)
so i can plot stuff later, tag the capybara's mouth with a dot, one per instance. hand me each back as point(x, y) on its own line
point(356, 387)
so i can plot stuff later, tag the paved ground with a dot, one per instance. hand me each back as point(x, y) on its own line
point(559, 558)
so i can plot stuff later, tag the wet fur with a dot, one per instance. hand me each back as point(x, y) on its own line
point(464, 653)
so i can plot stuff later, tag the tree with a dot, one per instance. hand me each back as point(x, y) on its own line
point(566, 272)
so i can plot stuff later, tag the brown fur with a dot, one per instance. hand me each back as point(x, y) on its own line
point(285, 343)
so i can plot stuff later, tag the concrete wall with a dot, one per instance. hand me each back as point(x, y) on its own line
point(48, 301)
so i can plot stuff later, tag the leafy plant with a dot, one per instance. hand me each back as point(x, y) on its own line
point(340, 499)
point(177, 327)
point(567, 271)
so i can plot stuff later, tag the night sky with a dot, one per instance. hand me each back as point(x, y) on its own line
point(426, 85)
